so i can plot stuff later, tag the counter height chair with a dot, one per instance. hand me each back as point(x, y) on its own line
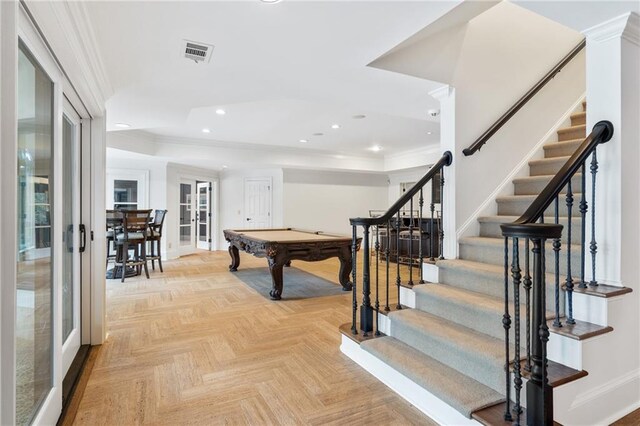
point(114, 224)
point(133, 236)
point(154, 236)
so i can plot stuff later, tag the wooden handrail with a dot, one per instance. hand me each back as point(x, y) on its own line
point(445, 160)
point(484, 138)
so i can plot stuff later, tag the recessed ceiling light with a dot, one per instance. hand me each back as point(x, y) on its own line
point(318, 134)
point(303, 141)
point(335, 126)
point(123, 125)
point(428, 133)
point(376, 148)
point(206, 131)
point(359, 116)
point(340, 157)
point(224, 166)
point(221, 111)
point(271, 1)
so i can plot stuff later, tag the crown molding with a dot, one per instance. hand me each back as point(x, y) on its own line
point(625, 26)
point(441, 92)
point(67, 29)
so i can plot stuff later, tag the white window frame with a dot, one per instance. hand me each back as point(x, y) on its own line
point(141, 176)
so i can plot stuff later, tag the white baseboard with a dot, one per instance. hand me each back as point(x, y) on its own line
point(413, 393)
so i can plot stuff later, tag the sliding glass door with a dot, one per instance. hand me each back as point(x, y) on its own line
point(72, 235)
point(34, 284)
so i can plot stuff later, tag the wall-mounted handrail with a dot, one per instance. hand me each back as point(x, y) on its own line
point(475, 146)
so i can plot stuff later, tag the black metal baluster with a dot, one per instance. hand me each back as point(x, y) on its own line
point(354, 252)
point(398, 281)
point(410, 242)
point(547, 398)
point(527, 300)
point(556, 251)
point(366, 311)
point(432, 234)
point(441, 214)
point(583, 237)
point(506, 323)
point(516, 275)
point(377, 304)
point(420, 251)
point(569, 281)
point(593, 247)
point(387, 253)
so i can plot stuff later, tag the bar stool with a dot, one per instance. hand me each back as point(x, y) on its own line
point(114, 223)
point(154, 235)
point(133, 236)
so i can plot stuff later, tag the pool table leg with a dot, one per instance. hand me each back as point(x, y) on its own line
point(275, 267)
point(345, 269)
point(235, 258)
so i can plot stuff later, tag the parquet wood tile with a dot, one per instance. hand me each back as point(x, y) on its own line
point(195, 345)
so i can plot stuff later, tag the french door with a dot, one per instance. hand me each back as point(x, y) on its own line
point(203, 215)
point(187, 222)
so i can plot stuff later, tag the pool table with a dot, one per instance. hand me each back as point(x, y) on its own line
point(281, 246)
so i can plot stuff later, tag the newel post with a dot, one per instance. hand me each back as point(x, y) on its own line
point(366, 310)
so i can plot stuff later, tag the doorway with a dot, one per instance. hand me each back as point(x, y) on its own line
point(203, 215)
point(257, 203)
point(196, 224)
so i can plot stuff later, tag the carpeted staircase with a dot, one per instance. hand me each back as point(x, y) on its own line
point(452, 343)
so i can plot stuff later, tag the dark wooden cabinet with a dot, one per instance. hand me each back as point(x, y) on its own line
point(406, 246)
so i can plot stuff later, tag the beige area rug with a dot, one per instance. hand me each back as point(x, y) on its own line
point(298, 284)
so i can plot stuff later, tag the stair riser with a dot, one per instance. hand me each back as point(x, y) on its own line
point(483, 321)
point(492, 229)
point(547, 168)
point(579, 120)
point(535, 187)
point(488, 372)
point(578, 133)
point(495, 256)
point(515, 207)
point(486, 283)
point(561, 149)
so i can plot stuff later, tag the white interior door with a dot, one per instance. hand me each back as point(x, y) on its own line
point(187, 220)
point(257, 203)
point(203, 216)
point(71, 281)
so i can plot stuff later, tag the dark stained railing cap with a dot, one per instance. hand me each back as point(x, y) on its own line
point(531, 230)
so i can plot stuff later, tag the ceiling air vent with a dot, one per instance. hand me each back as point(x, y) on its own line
point(196, 51)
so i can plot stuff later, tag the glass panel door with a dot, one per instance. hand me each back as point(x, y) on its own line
point(34, 335)
point(70, 236)
point(203, 216)
point(187, 218)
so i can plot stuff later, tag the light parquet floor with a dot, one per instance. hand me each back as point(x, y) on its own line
point(195, 345)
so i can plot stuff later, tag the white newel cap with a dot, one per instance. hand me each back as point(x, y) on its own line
point(625, 26)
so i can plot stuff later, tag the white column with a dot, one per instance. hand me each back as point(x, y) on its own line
point(97, 226)
point(446, 96)
point(613, 94)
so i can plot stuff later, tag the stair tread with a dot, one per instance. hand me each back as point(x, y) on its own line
point(538, 178)
point(499, 242)
point(513, 218)
point(579, 114)
point(562, 159)
point(471, 341)
point(572, 128)
point(459, 391)
point(576, 195)
point(568, 142)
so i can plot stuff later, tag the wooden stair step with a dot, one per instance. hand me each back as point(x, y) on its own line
point(601, 290)
point(345, 329)
point(494, 416)
point(581, 330)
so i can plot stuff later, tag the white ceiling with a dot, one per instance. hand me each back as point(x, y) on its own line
point(282, 72)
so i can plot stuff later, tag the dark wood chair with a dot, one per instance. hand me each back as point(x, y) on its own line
point(154, 236)
point(114, 225)
point(133, 237)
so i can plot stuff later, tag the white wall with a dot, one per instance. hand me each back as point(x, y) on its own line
point(325, 201)
point(232, 199)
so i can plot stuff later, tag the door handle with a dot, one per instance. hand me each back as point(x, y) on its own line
point(83, 233)
point(248, 219)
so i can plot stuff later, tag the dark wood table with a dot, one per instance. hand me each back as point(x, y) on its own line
point(281, 246)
